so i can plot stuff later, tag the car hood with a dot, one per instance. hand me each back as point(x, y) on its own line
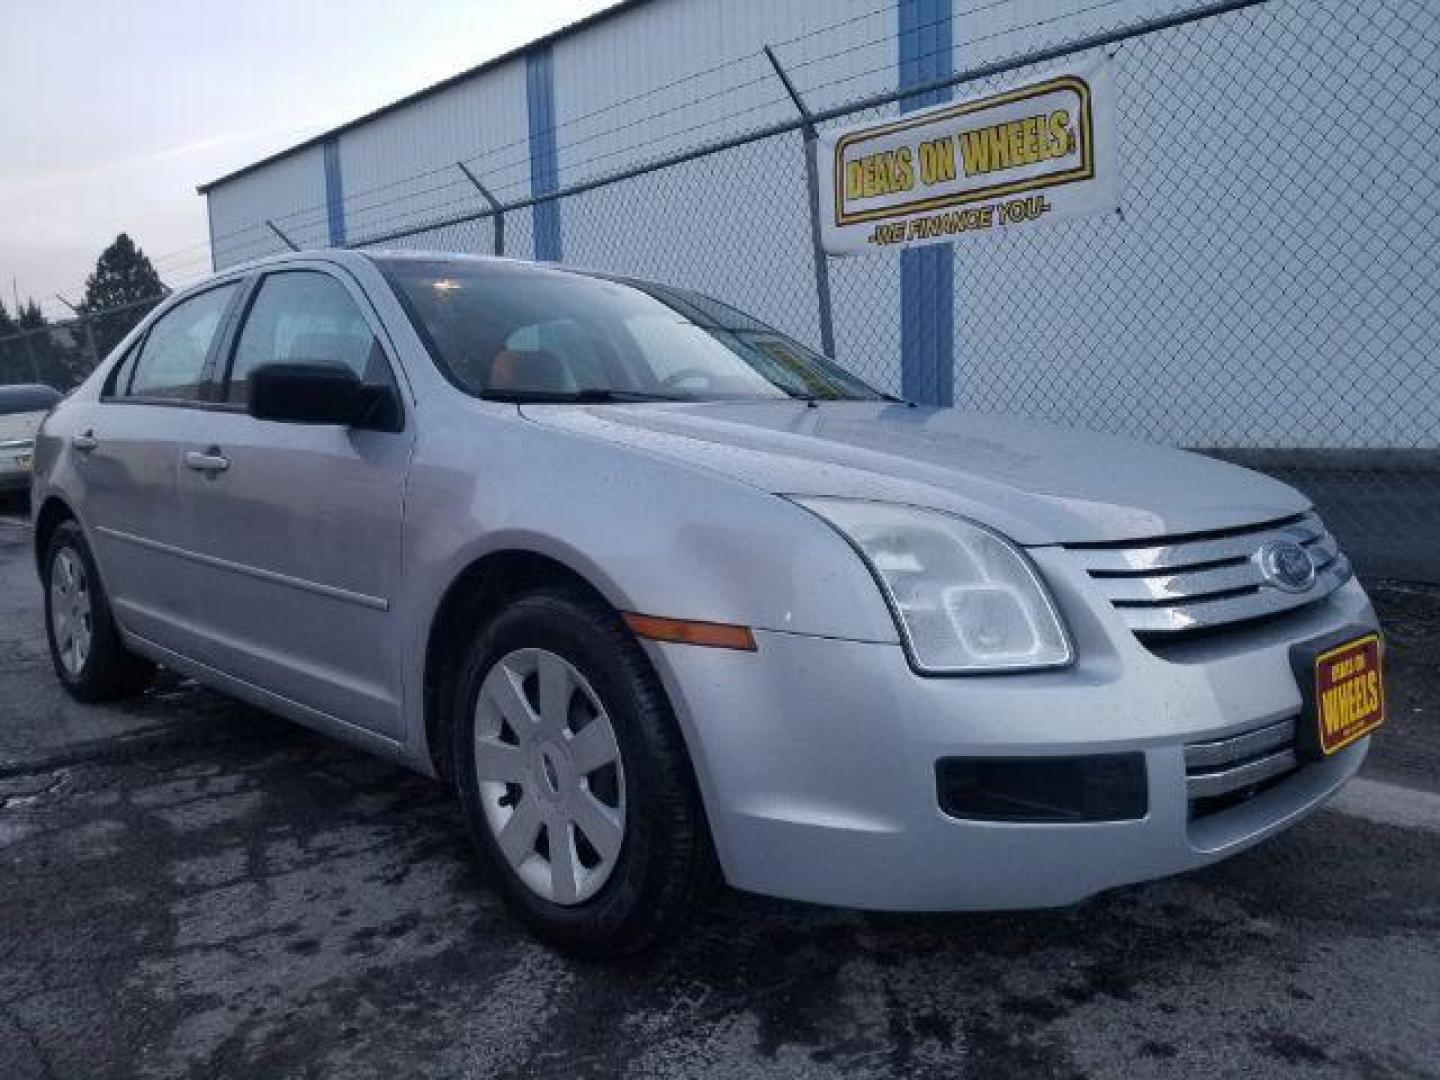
point(19, 425)
point(1036, 483)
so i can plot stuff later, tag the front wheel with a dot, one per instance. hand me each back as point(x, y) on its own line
point(574, 778)
point(85, 647)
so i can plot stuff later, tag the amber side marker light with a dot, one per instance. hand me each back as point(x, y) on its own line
point(714, 635)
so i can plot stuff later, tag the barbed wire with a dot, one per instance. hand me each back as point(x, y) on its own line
point(421, 217)
point(317, 212)
point(196, 261)
point(688, 140)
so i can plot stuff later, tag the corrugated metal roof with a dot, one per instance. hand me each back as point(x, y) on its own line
point(565, 31)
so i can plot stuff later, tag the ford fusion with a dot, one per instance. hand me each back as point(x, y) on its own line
point(668, 597)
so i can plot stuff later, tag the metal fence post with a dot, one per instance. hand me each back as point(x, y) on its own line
point(90, 342)
point(30, 352)
point(283, 238)
point(812, 180)
point(84, 320)
point(494, 205)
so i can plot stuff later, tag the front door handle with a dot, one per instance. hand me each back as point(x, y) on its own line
point(212, 461)
point(85, 442)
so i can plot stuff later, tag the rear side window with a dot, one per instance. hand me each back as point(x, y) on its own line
point(171, 363)
point(119, 382)
point(304, 317)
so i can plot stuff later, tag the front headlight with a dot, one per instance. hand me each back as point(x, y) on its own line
point(966, 599)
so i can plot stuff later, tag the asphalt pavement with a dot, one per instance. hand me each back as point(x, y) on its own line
point(191, 888)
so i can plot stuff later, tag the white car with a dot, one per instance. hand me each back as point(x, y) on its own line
point(661, 590)
point(22, 408)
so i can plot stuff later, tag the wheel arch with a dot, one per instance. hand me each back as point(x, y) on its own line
point(479, 590)
point(53, 512)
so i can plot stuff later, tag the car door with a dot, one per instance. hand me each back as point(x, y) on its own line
point(128, 460)
point(300, 525)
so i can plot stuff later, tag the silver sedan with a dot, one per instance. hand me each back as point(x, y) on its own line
point(667, 596)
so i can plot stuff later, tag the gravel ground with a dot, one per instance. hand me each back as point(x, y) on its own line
point(189, 887)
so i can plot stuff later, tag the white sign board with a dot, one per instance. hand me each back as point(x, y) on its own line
point(1034, 153)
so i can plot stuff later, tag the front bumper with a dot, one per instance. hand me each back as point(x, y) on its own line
point(816, 758)
point(16, 461)
point(15, 475)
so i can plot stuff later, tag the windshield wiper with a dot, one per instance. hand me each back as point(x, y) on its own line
point(590, 396)
point(812, 399)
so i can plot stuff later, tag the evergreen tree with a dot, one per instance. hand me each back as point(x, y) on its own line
point(31, 317)
point(47, 357)
point(123, 275)
point(13, 361)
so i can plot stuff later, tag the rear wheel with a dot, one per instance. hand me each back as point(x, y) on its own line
point(85, 647)
point(575, 781)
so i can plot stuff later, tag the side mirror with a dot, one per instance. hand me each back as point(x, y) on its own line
point(321, 394)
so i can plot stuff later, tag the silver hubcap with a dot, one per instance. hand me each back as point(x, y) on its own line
point(71, 621)
point(550, 777)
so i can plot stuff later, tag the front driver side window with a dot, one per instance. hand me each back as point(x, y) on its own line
point(304, 317)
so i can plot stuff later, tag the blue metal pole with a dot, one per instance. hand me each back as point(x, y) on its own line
point(927, 274)
point(544, 162)
point(334, 193)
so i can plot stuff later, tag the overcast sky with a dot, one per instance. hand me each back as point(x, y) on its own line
point(111, 111)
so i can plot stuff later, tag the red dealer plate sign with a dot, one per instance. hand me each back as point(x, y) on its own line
point(1349, 693)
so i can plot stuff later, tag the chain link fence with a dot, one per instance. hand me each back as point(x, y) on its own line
point(61, 354)
point(1267, 292)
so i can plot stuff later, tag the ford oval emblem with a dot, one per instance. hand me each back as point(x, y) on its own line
point(1286, 565)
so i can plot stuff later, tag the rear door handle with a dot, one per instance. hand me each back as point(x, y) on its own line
point(212, 461)
point(85, 442)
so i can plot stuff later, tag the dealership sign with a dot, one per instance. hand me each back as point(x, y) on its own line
point(1031, 154)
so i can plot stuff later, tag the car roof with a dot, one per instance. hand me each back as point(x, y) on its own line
point(351, 257)
point(27, 397)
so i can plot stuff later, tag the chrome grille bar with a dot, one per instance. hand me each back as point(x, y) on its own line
point(1189, 553)
point(1223, 766)
point(1186, 583)
point(1207, 785)
point(1169, 587)
point(1200, 613)
point(1205, 755)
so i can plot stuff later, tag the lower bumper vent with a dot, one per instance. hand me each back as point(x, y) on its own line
point(1058, 790)
point(1225, 772)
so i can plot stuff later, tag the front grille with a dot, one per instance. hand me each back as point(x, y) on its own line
point(1223, 772)
point(1199, 582)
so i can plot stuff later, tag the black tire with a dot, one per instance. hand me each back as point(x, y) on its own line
point(666, 861)
point(110, 671)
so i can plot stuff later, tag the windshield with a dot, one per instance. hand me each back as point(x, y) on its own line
point(518, 332)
